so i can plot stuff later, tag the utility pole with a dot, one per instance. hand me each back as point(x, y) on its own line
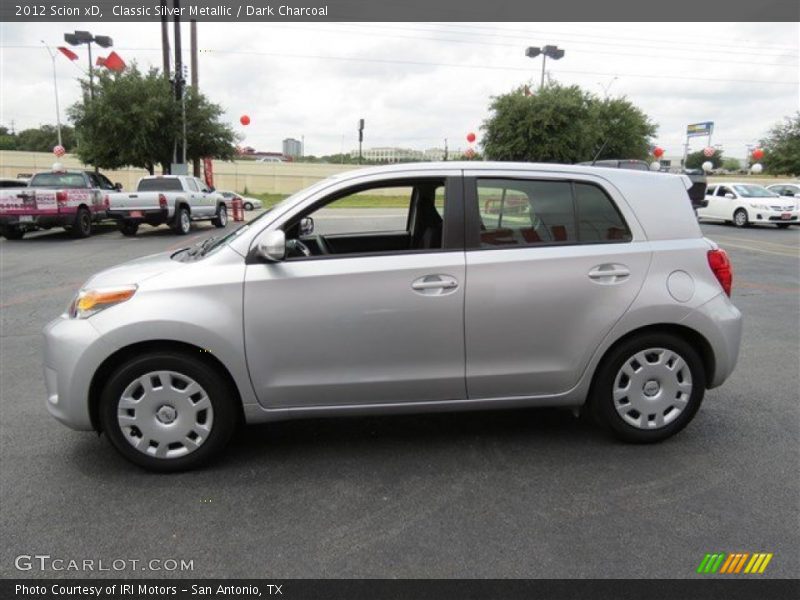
point(195, 79)
point(360, 138)
point(55, 88)
point(445, 149)
point(164, 40)
point(179, 160)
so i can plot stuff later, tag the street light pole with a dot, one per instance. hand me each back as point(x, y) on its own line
point(55, 88)
point(553, 52)
point(84, 37)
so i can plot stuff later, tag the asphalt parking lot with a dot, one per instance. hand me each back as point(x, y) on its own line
point(531, 493)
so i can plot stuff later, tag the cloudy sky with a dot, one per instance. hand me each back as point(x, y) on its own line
point(419, 83)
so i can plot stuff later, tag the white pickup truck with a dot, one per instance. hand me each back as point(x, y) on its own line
point(173, 199)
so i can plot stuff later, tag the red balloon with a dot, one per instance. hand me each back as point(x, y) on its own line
point(709, 151)
point(758, 154)
point(244, 120)
point(658, 152)
point(59, 151)
point(470, 137)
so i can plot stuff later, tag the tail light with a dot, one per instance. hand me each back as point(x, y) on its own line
point(61, 196)
point(721, 266)
point(162, 201)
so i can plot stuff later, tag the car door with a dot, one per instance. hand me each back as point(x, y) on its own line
point(545, 282)
point(376, 327)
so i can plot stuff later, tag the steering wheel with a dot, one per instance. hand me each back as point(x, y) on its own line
point(322, 244)
point(297, 248)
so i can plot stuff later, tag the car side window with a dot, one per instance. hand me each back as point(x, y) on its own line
point(192, 184)
point(722, 190)
point(523, 213)
point(598, 217)
point(534, 212)
point(711, 190)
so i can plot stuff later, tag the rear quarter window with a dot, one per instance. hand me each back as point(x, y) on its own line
point(599, 220)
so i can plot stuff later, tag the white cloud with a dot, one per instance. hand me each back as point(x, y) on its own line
point(418, 83)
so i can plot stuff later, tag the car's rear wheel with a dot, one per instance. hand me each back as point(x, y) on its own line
point(82, 225)
point(12, 233)
point(221, 220)
point(649, 388)
point(183, 222)
point(740, 218)
point(128, 228)
point(168, 411)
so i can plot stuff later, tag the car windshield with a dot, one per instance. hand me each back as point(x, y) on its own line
point(753, 191)
point(60, 180)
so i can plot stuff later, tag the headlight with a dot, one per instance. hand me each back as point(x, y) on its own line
point(91, 301)
point(759, 205)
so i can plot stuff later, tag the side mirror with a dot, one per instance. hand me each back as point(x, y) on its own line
point(212, 189)
point(271, 246)
point(118, 186)
point(306, 226)
point(731, 196)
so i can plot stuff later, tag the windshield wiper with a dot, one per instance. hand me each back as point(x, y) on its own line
point(206, 245)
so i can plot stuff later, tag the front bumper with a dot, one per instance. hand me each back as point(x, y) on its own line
point(775, 216)
point(73, 351)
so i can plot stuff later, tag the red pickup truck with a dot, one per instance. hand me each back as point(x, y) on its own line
point(65, 198)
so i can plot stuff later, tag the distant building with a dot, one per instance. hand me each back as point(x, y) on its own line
point(292, 147)
point(389, 154)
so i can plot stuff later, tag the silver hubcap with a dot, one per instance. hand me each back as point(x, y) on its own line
point(740, 218)
point(165, 414)
point(185, 224)
point(652, 388)
point(223, 216)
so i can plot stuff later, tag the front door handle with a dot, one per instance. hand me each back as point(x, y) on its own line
point(434, 285)
point(609, 273)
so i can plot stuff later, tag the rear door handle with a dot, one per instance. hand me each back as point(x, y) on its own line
point(433, 285)
point(609, 273)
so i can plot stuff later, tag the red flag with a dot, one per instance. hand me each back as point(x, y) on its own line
point(100, 62)
point(68, 53)
point(113, 62)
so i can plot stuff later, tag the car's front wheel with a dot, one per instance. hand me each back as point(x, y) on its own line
point(649, 388)
point(168, 411)
point(740, 218)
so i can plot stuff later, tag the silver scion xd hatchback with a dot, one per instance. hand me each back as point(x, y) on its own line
point(420, 287)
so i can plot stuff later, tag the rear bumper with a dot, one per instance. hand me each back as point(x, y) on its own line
point(34, 221)
point(720, 322)
point(153, 216)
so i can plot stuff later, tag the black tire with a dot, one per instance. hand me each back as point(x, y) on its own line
point(741, 221)
point(82, 226)
point(128, 228)
point(221, 220)
point(222, 399)
point(183, 222)
point(602, 401)
point(12, 233)
point(248, 206)
point(783, 225)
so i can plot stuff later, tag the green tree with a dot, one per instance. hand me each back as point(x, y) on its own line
point(44, 138)
point(564, 124)
point(134, 120)
point(782, 147)
point(695, 160)
point(731, 164)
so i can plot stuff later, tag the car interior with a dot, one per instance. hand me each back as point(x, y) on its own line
point(424, 225)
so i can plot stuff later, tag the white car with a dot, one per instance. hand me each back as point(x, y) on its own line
point(790, 189)
point(247, 203)
point(744, 204)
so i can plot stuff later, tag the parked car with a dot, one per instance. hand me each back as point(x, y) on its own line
point(71, 199)
point(247, 203)
point(697, 191)
point(744, 204)
point(8, 182)
point(790, 189)
point(173, 199)
point(602, 295)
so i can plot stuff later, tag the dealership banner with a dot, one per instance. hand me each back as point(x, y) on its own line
point(406, 589)
point(414, 10)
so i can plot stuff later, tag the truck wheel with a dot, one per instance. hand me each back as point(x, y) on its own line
point(168, 411)
point(82, 226)
point(221, 220)
point(128, 228)
point(183, 222)
point(12, 233)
